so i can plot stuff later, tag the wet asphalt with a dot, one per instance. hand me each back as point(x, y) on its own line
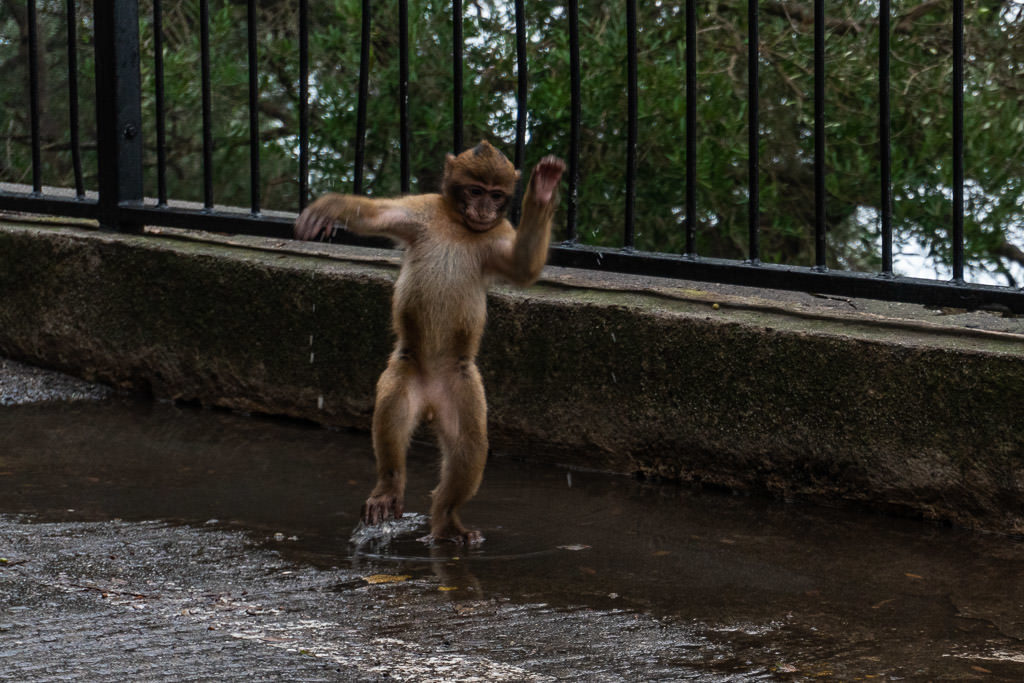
point(157, 542)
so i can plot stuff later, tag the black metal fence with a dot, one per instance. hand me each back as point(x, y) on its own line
point(120, 203)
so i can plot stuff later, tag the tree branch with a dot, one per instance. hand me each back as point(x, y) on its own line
point(1010, 251)
point(805, 15)
point(906, 22)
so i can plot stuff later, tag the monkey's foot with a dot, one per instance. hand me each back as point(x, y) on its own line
point(456, 535)
point(384, 506)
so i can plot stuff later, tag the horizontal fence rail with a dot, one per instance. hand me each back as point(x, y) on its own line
point(120, 202)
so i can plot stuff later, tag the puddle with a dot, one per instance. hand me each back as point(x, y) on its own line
point(746, 588)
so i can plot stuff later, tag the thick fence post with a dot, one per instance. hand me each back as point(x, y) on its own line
point(118, 110)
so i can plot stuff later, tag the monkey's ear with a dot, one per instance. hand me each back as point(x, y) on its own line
point(519, 174)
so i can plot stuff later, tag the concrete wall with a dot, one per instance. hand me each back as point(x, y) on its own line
point(792, 395)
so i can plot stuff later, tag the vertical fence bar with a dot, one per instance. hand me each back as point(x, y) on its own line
point(632, 99)
point(885, 133)
point(204, 58)
point(303, 103)
point(521, 77)
point(457, 48)
point(364, 95)
point(254, 114)
point(753, 135)
point(403, 91)
point(33, 96)
point(161, 116)
point(574, 121)
point(958, 140)
point(76, 148)
point(118, 110)
point(819, 134)
point(691, 127)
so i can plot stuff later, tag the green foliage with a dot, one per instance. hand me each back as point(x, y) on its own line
point(921, 123)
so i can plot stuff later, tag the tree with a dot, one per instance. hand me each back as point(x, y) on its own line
point(921, 124)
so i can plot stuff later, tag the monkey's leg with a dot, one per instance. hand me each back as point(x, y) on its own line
point(395, 415)
point(462, 433)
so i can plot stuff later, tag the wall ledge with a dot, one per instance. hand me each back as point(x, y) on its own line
point(888, 405)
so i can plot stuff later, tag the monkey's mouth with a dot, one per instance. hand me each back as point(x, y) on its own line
point(478, 226)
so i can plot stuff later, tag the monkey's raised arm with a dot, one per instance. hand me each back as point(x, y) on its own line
point(523, 262)
point(361, 215)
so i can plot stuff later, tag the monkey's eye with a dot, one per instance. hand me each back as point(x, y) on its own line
point(476, 191)
point(498, 196)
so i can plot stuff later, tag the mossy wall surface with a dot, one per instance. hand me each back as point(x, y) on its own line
point(615, 380)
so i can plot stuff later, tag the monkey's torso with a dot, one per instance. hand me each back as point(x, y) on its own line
point(440, 299)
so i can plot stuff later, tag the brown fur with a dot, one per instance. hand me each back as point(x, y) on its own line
point(456, 243)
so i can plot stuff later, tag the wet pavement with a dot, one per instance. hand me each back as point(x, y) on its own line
point(149, 541)
point(22, 384)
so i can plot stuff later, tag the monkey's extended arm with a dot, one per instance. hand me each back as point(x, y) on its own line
point(523, 263)
point(361, 215)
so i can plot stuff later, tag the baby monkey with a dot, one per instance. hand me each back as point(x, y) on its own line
point(456, 244)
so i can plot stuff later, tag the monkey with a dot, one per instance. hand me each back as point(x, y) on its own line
point(456, 244)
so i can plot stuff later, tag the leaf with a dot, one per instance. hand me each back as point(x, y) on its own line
point(386, 578)
point(447, 588)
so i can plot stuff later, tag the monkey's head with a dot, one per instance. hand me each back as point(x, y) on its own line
point(478, 185)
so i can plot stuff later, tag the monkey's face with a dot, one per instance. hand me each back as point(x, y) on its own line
point(478, 184)
point(482, 206)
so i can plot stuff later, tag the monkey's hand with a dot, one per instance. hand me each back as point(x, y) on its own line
point(522, 263)
point(317, 220)
point(545, 178)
